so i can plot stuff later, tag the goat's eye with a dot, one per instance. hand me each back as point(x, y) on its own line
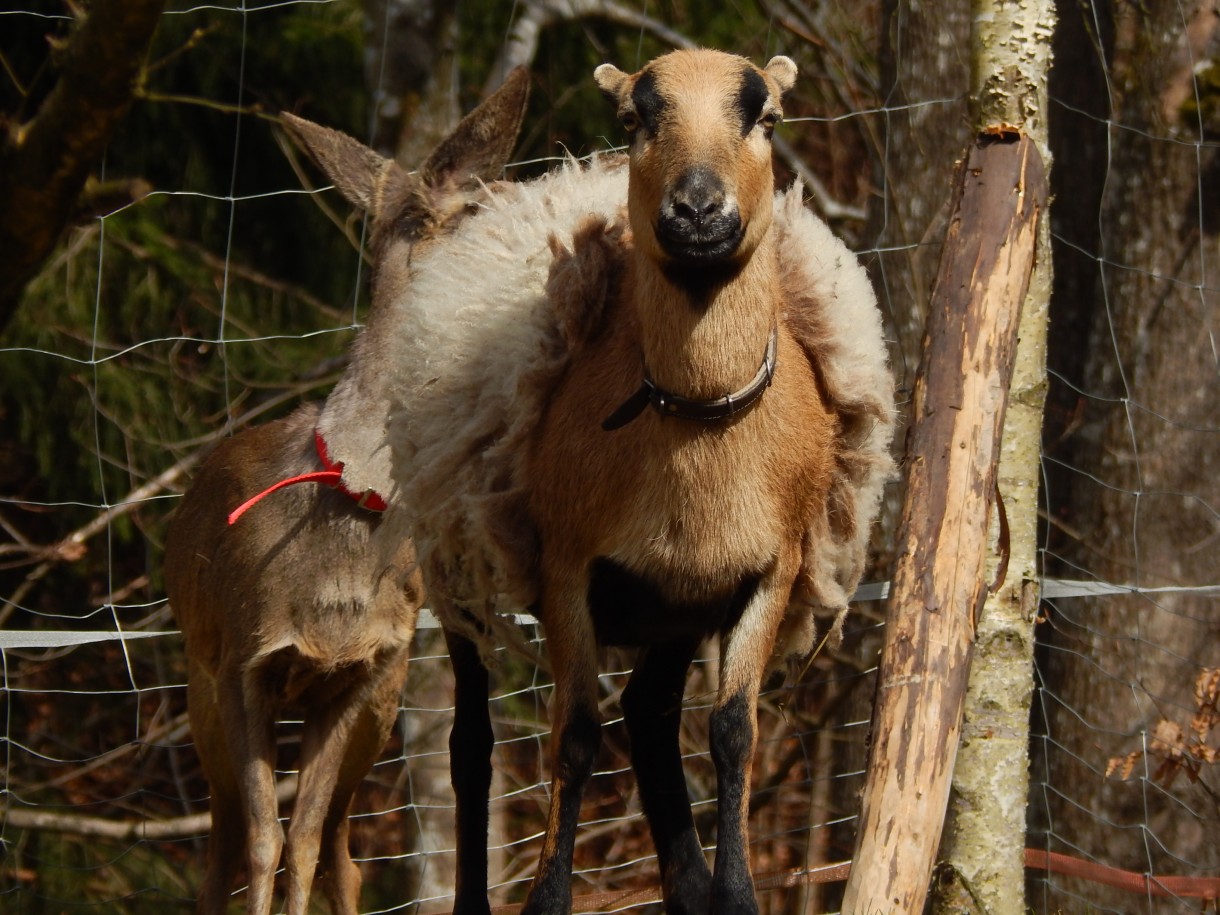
point(768, 121)
point(630, 121)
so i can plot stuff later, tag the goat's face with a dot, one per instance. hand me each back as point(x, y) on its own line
point(700, 127)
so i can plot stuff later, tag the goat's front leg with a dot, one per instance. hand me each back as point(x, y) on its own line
point(470, 746)
point(745, 651)
point(652, 709)
point(575, 740)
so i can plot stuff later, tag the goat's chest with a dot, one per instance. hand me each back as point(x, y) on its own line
point(682, 547)
point(681, 502)
point(701, 506)
point(671, 501)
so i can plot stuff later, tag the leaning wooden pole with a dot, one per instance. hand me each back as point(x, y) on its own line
point(981, 863)
point(940, 578)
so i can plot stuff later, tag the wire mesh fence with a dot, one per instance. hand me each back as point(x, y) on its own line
point(229, 293)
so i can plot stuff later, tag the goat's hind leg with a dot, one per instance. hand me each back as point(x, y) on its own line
point(652, 710)
point(248, 712)
point(575, 737)
point(324, 744)
point(338, 748)
point(227, 841)
point(470, 746)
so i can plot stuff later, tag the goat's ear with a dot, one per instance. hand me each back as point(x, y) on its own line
point(357, 171)
point(479, 147)
point(783, 71)
point(610, 79)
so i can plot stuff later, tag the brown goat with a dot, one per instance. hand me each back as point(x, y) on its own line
point(536, 473)
point(516, 374)
point(310, 601)
point(689, 521)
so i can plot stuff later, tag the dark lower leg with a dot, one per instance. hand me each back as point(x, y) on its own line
point(652, 709)
point(733, 725)
point(577, 737)
point(470, 747)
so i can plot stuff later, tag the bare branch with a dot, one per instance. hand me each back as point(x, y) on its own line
point(184, 827)
point(72, 547)
point(825, 204)
point(537, 15)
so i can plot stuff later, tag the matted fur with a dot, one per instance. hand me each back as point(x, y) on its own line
point(472, 372)
point(475, 367)
point(832, 310)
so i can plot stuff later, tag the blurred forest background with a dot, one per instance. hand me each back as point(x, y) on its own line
point(193, 288)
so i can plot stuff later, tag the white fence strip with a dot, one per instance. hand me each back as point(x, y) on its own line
point(1052, 589)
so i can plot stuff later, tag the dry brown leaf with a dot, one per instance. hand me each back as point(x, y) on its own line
point(1207, 698)
point(1169, 740)
point(1125, 763)
point(1178, 750)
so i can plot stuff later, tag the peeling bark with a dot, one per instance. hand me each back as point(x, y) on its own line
point(982, 854)
point(939, 583)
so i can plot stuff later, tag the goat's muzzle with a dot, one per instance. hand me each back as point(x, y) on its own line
point(699, 223)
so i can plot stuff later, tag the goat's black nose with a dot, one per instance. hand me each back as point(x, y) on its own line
point(698, 195)
point(698, 223)
point(697, 210)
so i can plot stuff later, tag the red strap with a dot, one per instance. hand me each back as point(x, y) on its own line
point(368, 499)
point(329, 477)
point(332, 476)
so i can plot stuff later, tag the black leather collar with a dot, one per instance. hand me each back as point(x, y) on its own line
point(668, 404)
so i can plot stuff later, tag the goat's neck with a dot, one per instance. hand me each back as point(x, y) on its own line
point(703, 343)
point(353, 419)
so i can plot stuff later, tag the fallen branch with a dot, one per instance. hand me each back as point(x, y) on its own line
point(184, 827)
point(939, 581)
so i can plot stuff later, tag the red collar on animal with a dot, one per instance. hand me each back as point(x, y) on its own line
point(332, 476)
point(668, 404)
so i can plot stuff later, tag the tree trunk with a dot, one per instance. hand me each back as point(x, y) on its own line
point(45, 163)
point(925, 77)
point(1137, 499)
point(982, 866)
point(957, 416)
point(411, 65)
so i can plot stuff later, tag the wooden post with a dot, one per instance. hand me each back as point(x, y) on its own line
point(939, 582)
point(980, 867)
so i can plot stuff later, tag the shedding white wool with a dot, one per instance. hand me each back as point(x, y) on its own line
point(468, 355)
point(833, 312)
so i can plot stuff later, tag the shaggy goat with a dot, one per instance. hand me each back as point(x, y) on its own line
point(535, 474)
point(310, 601)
